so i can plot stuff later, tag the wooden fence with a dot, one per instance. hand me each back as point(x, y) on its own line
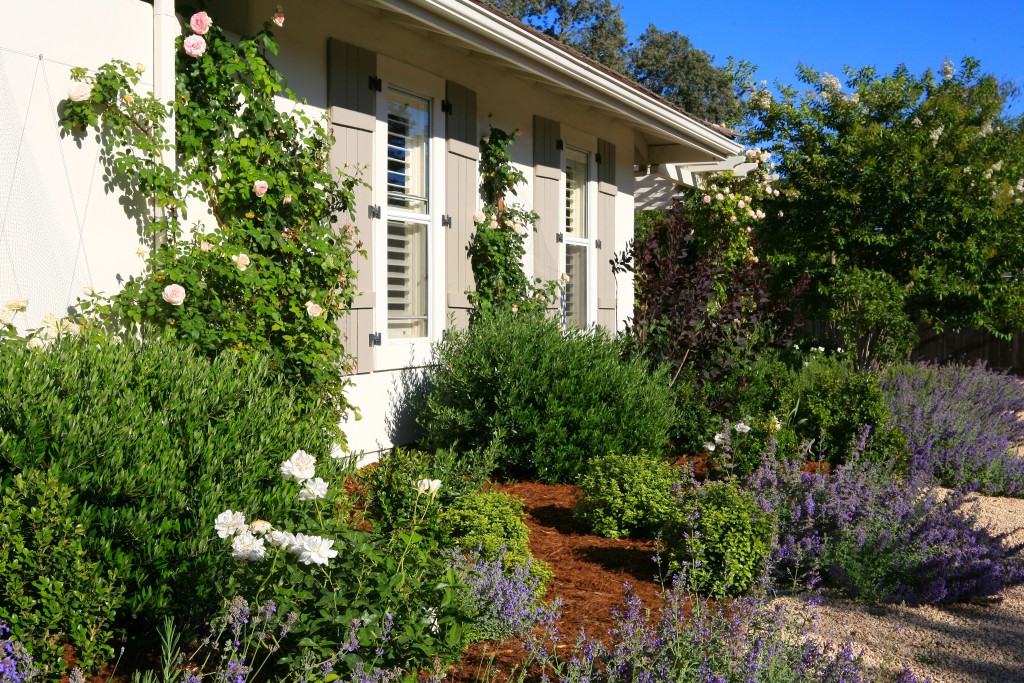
point(968, 346)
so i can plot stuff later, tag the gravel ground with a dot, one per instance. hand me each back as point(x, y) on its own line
point(972, 643)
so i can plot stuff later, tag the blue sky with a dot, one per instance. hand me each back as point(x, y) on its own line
point(826, 34)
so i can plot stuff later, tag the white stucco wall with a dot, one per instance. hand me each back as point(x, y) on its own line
point(60, 228)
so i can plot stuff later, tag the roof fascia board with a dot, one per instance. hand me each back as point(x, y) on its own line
point(514, 43)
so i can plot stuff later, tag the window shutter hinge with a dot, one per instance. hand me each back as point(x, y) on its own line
point(375, 83)
point(446, 221)
point(446, 106)
point(374, 210)
point(559, 237)
point(597, 157)
point(375, 339)
point(597, 244)
point(559, 144)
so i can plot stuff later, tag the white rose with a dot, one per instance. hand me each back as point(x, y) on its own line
point(229, 523)
point(247, 547)
point(300, 467)
point(80, 92)
point(313, 489)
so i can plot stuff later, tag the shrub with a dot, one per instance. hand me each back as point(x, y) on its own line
point(627, 494)
point(155, 440)
point(390, 492)
point(882, 538)
point(492, 524)
point(364, 598)
point(54, 593)
point(961, 423)
point(546, 401)
point(722, 538)
point(832, 401)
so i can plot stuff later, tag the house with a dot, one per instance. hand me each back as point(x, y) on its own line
point(410, 86)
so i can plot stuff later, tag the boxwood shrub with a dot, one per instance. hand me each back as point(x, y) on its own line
point(546, 400)
point(627, 495)
point(155, 441)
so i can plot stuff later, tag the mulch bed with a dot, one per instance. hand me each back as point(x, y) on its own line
point(590, 572)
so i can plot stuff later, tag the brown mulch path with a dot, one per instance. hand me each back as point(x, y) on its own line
point(589, 573)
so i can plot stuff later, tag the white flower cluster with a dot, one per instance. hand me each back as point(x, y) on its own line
point(428, 486)
point(248, 541)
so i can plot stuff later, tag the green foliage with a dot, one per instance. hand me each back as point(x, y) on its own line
point(594, 28)
point(365, 597)
point(924, 230)
point(832, 401)
point(391, 497)
point(722, 538)
point(667, 64)
point(155, 440)
point(497, 248)
point(268, 272)
point(547, 402)
point(492, 525)
point(54, 592)
point(624, 495)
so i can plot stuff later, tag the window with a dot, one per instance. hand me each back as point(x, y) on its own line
point(577, 235)
point(408, 220)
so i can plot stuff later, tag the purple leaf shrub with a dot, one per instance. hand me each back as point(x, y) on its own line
point(962, 425)
point(883, 538)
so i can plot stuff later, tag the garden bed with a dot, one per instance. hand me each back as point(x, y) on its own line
point(973, 643)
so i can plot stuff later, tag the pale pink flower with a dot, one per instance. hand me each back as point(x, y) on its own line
point(195, 46)
point(242, 261)
point(565, 278)
point(260, 187)
point(349, 231)
point(313, 310)
point(287, 199)
point(732, 219)
point(515, 308)
point(174, 294)
point(494, 223)
point(200, 23)
point(80, 92)
point(278, 19)
point(478, 217)
point(741, 204)
point(205, 246)
point(719, 196)
point(706, 199)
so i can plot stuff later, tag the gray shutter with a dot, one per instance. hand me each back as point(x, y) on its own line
point(606, 192)
point(460, 123)
point(352, 99)
point(547, 201)
point(461, 190)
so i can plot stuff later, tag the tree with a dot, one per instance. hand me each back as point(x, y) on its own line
point(667, 64)
point(902, 202)
point(594, 28)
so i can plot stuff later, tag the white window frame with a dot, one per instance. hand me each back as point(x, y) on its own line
point(586, 143)
point(401, 352)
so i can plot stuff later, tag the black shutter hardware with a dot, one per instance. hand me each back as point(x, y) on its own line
point(559, 237)
point(446, 107)
point(446, 221)
point(559, 144)
point(374, 210)
point(598, 157)
point(375, 339)
point(597, 244)
point(375, 83)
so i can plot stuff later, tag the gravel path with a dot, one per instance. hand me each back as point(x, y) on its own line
point(972, 643)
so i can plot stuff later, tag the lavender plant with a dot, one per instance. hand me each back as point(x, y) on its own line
point(690, 640)
point(503, 596)
point(962, 424)
point(16, 665)
point(881, 538)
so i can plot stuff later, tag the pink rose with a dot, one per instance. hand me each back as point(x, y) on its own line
point(241, 260)
point(706, 199)
point(478, 217)
point(174, 294)
point(195, 46)
point(200, 23)
point(205, 246)
point(313, 310)
point(494, 223)
point(260, 187)
point(278, 19)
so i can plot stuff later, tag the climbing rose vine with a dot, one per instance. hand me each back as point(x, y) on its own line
point(263, 269)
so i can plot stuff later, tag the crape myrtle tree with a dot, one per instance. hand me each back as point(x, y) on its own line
point(902, 202)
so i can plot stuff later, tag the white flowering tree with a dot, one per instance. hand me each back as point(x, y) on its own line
point(902, 201)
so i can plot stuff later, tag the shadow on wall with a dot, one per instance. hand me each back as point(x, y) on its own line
point(408, 392)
